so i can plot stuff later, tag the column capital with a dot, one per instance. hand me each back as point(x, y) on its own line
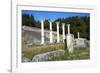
point(57, 22)
point(68, 24)
point(50, 21)
point(63, 23)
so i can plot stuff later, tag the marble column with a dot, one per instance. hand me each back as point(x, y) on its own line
point(51, 39)
point(68, 28)
point(69, 40)
point(42, 31)
point(57, 32)
point(78, 35)
point(63, 31)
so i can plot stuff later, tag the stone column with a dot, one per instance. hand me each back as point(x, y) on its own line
point(57, 32)
point(78, 35)
point(42, 31)
point(51, 40)
point(69, 41)
point(73, 36)
point(68, 28)
point(63, 29)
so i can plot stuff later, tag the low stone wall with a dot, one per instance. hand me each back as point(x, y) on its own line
point(48, 55)
point(81, 43)
point(24, 59)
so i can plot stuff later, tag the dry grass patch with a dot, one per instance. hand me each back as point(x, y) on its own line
point(31, 52)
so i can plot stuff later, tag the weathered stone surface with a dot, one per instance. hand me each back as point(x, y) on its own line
point(70, 41)
point(81, 43)
point(31, 37)
point(48, 55)
point(24, 59)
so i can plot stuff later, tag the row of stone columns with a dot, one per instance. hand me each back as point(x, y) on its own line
point(69, 37)
point(51, 32)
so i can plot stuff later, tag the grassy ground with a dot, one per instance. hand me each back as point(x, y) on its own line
point(31, 52)
point(78, 54)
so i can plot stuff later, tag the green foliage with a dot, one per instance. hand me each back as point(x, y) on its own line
point(46, 24)
point(78, 24)
point(28, 20)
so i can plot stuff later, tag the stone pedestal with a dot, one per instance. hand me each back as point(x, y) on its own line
point(81, 43)
point(70, 41)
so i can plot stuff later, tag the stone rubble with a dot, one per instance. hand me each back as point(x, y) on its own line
point(47, 56)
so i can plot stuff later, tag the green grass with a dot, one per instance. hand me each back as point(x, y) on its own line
point(78, 54)
point(31, 52)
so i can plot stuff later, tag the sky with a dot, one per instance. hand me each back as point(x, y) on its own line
point(38, 15)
